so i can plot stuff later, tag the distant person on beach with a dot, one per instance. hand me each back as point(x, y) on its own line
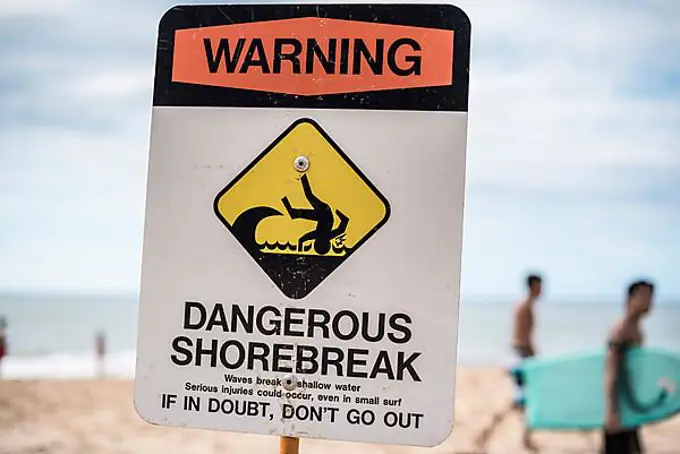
point(624, 334)
point(3, 340)
point(523, 346)
point(100, 351)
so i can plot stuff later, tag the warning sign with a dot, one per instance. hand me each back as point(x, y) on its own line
point(298, 220)
point(304, 217)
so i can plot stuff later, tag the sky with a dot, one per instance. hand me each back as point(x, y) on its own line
point(573, 148)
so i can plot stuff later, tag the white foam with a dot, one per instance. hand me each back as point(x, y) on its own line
point(67, 365)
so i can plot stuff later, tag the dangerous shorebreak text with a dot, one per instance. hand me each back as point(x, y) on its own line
point(209, 347)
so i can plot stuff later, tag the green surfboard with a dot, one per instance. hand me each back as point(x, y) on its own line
point(567, 392)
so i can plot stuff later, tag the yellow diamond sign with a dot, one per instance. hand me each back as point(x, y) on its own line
point(301, 208)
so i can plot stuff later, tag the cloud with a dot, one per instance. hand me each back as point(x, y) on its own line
point(13, 8)
point(555, 110)
point(109, 86)
point(572, 161)
point(573, 155)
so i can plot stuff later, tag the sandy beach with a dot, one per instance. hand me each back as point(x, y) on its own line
point(97, 416)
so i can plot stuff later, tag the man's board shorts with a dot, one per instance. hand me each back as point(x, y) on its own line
point(515, 371)
point(623, 442)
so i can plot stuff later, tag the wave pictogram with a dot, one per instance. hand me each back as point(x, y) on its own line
point(274, 247)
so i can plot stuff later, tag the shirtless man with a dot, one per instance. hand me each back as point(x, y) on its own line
point(625, 333)
point(523, 339)
point(523, 317)
point(522, 344)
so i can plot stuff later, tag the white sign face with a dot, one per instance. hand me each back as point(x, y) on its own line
point(304, 220)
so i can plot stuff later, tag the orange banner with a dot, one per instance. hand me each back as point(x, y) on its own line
point(313, 56)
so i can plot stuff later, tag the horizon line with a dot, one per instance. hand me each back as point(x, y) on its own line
point(478, 298)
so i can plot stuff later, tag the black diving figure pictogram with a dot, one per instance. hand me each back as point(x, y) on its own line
point(321, 213)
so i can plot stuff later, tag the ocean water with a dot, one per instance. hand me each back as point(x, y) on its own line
point(54, 336)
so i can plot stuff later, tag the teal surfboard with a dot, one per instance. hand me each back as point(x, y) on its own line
point(567, 392)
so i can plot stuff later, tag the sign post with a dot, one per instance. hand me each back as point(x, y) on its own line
point(289, 445)
point(304, 213)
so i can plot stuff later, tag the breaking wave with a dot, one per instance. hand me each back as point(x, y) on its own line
point(284, 247)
